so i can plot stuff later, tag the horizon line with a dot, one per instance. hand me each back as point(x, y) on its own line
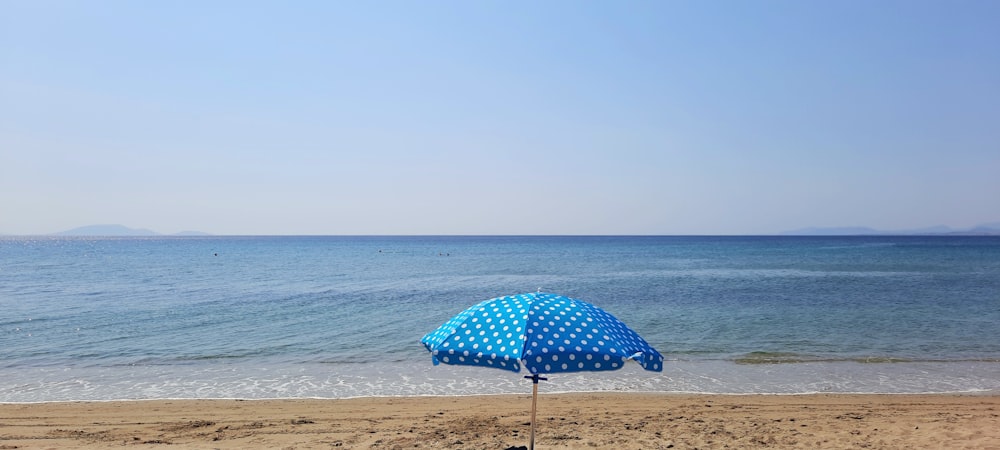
point(781, 234)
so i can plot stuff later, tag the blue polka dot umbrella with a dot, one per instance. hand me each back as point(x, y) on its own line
point(545, 333)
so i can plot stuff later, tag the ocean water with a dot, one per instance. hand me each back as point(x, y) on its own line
point(335, 317)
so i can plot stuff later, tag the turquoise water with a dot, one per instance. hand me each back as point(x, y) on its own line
point(266, 317)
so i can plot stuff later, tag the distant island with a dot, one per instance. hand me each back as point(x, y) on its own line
point(120, 230)
point(989, 229)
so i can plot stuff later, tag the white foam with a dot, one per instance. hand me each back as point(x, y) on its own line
point(403, 379)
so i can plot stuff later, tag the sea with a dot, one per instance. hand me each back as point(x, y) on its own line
point(255, 317)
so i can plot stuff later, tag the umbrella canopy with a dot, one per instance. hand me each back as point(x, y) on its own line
point(545, 333)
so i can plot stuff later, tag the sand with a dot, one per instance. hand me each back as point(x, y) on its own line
point(605, 420)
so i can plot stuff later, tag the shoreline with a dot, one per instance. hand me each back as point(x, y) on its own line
point(985, 393)
point(256, 379)
point(626, 420)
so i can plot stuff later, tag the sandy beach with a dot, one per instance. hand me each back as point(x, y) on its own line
point(600, 420)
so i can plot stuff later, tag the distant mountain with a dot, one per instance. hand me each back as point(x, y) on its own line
point(120, 230)
point(989, 228)
point(985, 229)
point(107, 230)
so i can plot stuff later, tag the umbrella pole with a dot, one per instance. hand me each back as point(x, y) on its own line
point(534, 400)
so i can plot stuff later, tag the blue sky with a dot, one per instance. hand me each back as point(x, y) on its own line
point(660, 117)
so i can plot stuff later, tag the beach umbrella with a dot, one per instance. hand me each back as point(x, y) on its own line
point(544, 333)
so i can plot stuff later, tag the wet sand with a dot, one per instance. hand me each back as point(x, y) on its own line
point(603, 420)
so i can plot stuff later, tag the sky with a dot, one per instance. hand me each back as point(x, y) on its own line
point(498, 117)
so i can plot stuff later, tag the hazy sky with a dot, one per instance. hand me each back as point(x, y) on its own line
point(459, 117)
